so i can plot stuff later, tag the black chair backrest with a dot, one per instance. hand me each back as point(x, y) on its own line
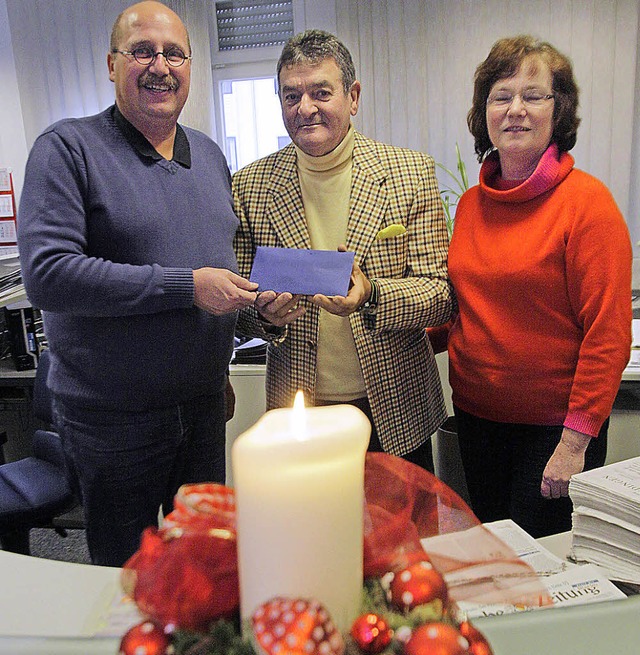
point(42, 405)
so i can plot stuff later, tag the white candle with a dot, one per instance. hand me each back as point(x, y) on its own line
point(299, 488)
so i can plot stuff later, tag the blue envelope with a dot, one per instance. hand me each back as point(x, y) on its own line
point(304, 272)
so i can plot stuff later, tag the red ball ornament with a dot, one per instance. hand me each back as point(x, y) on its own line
point(371, 633)
point(436, 639)
point(416, 585)
point(478, 644)
point(295, 627)
point(145, 639)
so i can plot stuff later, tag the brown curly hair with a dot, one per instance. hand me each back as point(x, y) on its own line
point(503, 61)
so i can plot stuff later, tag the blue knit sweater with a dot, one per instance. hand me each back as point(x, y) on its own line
point(108, 239)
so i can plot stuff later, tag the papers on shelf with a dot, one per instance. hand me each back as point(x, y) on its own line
point(567, 583)
point(6, 211)
point(11, 287)
point(5, 180)
point(606, 519)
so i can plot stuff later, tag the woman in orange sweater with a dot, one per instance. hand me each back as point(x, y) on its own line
point(541, 263)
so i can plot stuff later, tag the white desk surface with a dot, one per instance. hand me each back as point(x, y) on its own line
point(53, 608)
point(610, 628)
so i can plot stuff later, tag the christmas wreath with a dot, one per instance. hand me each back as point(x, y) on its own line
point(184, 579)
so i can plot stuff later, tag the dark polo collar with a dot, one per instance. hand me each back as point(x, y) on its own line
point(181, 149)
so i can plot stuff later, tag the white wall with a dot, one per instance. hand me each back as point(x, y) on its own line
point(13, 144)
point(315, 14)
point(415, 60)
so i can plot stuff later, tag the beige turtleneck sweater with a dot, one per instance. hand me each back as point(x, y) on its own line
point(326, 189)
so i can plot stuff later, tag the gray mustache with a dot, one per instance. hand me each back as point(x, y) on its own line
point(151, 79)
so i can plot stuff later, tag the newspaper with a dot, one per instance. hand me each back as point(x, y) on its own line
point(606, 519)
point(611, 543)
point(567, 583)
point(613, 489)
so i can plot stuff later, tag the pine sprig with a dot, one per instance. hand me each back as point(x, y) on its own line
point(224, 637)
point(375, 600)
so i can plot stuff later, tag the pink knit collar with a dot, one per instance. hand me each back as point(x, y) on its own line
point(550, 171)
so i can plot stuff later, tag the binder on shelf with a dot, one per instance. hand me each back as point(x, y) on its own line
point(20, 324)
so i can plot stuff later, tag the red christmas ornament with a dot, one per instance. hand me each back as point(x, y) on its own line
point(295, 627)
point(436, 639)
point(416, 585)
point(478, 644)
point(371, 633)
point(145, 639)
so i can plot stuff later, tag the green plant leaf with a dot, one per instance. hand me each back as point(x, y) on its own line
point(455, 186)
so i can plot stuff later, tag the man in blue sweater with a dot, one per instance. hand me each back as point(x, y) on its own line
point(125, 238)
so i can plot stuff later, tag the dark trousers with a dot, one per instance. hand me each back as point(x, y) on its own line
point(126, 465)
point(503, 464)
point(422, 455)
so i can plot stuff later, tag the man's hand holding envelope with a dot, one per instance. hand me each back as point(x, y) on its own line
point(330, 279)
point(359, 291)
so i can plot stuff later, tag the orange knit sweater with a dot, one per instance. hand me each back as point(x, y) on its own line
point(542, 273)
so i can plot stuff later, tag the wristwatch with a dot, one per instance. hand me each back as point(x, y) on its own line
point(370, 305)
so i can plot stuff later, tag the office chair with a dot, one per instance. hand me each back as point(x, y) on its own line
point(34, 490)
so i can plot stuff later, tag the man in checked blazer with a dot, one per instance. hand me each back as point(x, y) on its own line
point(333, 188)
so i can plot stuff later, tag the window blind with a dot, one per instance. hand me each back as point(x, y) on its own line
point(253, 23)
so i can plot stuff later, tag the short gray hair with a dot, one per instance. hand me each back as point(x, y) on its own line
point(314, 46)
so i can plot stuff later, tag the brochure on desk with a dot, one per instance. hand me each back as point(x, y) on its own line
point(567, 583)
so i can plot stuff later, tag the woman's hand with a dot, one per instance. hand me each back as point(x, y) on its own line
point(567, 460)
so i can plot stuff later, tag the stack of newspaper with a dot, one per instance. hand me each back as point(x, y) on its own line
point(606, 519)
point(566, 583)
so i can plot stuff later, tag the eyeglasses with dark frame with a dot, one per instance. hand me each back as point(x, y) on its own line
point(529, 98)
point(146, 56)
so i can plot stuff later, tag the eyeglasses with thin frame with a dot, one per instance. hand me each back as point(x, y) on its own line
point(502, 99)
point(146, 56)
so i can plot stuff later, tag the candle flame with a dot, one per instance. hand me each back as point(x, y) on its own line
point(299, 417)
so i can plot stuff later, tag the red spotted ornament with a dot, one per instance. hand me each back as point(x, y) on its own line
point(146, 639)
point(416, 585)
point(436, 639)
point(371, 633)
point(295, 627)
point(478, 644)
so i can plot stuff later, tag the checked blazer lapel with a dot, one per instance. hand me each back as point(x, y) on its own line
point(284, 209)
point(368, 204)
